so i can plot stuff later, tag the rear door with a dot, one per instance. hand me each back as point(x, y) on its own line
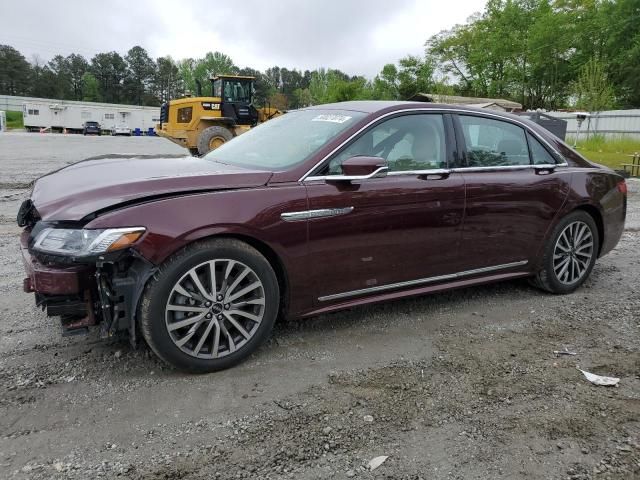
point(514, 190)
point(380, 233)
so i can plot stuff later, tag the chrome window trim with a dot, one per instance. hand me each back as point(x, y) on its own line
point(420, 281)
point(307, 175)
point(446, 171)
point(311, 214)
point(433, 171)
point(509, 167)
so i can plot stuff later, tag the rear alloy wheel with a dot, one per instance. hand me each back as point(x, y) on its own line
point(210, 306)
point(570, 254)
point(213, 137)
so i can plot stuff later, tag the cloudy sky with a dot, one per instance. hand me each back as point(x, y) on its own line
point(356, 36)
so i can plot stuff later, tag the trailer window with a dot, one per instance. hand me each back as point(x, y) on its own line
point(109, 116)
point(184, 114)
point(34, 111)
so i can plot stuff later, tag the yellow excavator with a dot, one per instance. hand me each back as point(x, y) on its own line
point(203, 123)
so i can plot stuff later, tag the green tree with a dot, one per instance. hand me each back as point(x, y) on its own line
point(166, 79)
point(414, 76)
point(385, 84)
point(90, 88)
point(77, 66)
point(15, 72)
point(186, 67)
point(593, 90)
point(110, 70)
point(211, 64)
point(61, 80)
point(139, 75)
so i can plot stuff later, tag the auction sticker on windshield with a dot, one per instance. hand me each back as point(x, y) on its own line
point(331, 118)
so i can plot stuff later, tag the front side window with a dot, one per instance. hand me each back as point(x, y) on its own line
point(407, 143)
point(184, 114)
point(285, 141)
point(493, 143)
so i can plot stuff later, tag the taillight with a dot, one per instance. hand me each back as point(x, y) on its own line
point(622, 187)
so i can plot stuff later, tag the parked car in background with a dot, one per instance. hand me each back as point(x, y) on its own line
point(321, 209)
point(91, 128)
point(121, 130)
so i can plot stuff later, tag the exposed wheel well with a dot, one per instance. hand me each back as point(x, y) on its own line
point(597, 217)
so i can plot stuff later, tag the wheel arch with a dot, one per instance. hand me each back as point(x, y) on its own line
point(274, 260)
point(266, 250)
point(597, 218)
point(262, 247)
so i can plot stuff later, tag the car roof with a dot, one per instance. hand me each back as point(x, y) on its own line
point(373, 107)
point(378, 106)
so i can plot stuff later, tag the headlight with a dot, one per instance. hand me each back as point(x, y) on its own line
point(84, 242)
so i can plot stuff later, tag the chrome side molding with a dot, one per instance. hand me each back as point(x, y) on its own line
point(311, 214)
point(421, 281)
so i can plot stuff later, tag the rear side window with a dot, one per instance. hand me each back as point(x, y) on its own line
point(539, 154)
point(493, 143)
point(184, 114)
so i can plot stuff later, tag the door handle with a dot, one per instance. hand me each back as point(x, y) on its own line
point(544, 169)
point(434, 175)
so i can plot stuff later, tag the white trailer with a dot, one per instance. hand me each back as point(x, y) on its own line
point(70, 116)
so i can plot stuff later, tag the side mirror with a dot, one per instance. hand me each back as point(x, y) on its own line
point(360, 168)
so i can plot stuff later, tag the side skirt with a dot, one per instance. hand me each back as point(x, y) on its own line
point(423, 290)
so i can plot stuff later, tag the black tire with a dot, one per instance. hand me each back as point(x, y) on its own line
point(210, 133)
point(547, 279)
point(153, 309)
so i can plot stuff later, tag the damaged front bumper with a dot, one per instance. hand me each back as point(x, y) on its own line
point(101, 291)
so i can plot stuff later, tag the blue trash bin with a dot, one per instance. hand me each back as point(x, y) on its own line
point(137, 132)
point(151, 132)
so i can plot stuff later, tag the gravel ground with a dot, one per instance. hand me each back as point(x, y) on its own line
point(457, 385)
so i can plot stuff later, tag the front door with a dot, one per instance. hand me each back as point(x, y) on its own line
point(378, 234)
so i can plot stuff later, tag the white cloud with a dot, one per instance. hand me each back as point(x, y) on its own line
point(356, 36)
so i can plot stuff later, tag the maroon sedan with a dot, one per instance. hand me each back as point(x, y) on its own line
point(321, 209)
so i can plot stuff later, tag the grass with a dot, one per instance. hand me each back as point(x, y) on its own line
point(612, 152)
point(14, 119)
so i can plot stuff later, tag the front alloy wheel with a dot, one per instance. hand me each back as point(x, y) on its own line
point(210, 305)
point(215, 308)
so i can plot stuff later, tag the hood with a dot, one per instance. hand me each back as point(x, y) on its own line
point(86, 187)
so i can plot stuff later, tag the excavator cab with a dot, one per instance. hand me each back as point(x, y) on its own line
point(203, 123)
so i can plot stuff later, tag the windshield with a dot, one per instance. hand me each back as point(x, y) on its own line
point(286, 141)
